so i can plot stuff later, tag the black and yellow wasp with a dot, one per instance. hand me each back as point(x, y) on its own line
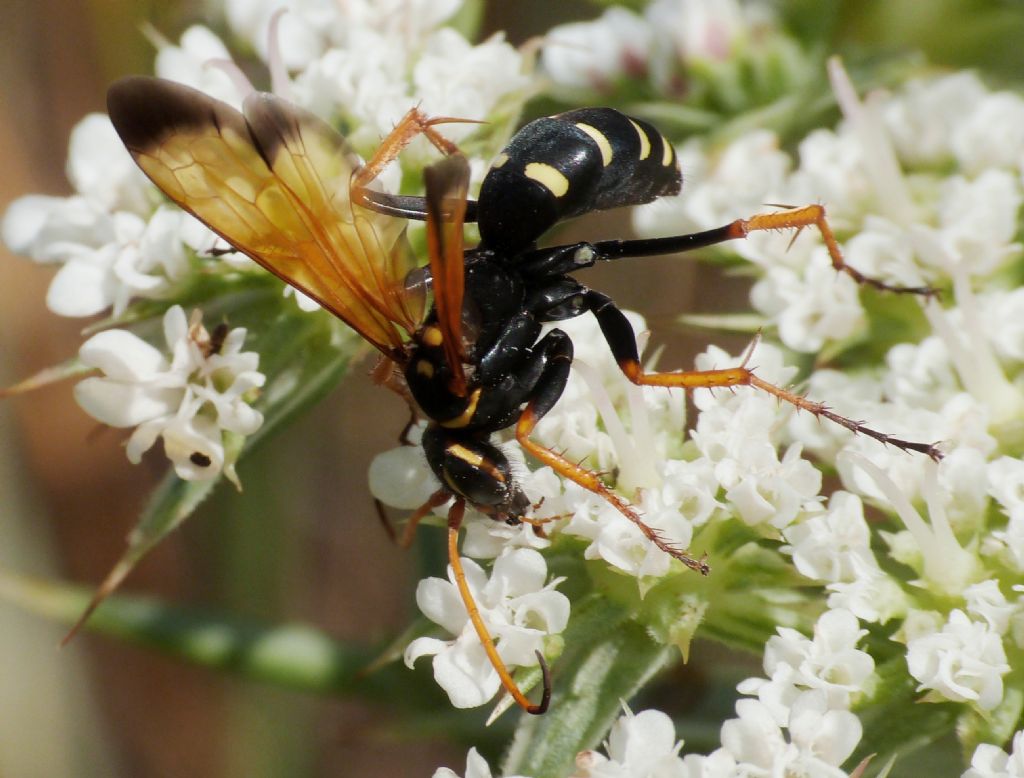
point(281, 186)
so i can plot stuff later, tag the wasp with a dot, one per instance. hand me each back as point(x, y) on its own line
point(283, 187)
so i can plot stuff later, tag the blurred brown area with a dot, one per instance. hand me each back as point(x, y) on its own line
point(319, 554)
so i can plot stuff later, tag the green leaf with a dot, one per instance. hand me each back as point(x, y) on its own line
point(994, 726)
point(173, 501)
point(291, 655)
point(894, 721)
point(468, 19)
point(744, 323)
point(606, 660)
point(50, 375)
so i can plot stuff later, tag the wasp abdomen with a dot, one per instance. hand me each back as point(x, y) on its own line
point(476, 470)
point(569, 164)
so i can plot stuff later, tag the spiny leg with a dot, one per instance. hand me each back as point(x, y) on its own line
point(455, 516)
point(792, 218)
point(814, 215)
point(546, 393)
point(622, 340)
point(414, 123)
point(438, 498)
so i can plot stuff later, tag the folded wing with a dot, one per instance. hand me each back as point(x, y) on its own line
point(274, 183)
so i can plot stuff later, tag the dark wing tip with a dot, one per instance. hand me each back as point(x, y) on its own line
point(145, 110)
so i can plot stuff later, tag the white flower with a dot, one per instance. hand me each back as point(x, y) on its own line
point(192, 63)
point(101, 169)
point(992, 762)
point(456, 78)
point(190, 400)
point(596, 54)
point(365, 81)
point(476, 767)
point(985, 601)
point(373, 78)
point(825, 546)
point(964, 661)
point(706, 29)
point(920, 374)
point(303, 31)
point(124, 257)
point(1002, 314)
point(111, 245)
point(518, 609)
point(401, 476)
point(870, 595)
point(922, 118)
point(990, 134)
point(746, 174)
point(811, 307)
point(830, 663)
point(832, 171)
point(820, 739)
point(640, 745)
point(944, 564)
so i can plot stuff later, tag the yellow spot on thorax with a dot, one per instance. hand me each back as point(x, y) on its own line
point(432, 336)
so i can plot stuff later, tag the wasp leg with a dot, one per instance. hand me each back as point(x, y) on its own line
point(414, 123)
point(438, 498)
point(546, 392)
point(792, 218)
point(455, 516)
point(622, 341)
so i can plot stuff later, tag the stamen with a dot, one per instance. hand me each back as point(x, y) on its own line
point(636, 466)
point(279, 81)
point(972, 356)
point(238, 78)
point(879, 156)
point(946, 564)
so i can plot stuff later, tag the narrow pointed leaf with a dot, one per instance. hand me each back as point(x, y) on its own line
point(607, 659)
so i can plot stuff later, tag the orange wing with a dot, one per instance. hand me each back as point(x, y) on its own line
point(447, 183)
point(274, 183)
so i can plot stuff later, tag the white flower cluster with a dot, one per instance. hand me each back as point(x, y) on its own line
point(639, 745)
point(116, 240)
point(926, 183)
point(992, 762)
point(518, 607)
point(800, 723)
point(367, 62)
point(621, 44)
point(192, 400)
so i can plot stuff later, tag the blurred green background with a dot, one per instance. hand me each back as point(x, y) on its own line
point(303, 542)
